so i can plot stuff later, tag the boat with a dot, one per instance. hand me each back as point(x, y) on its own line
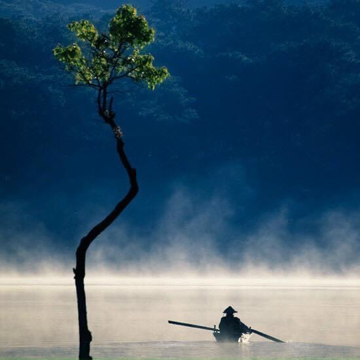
point(221, 337)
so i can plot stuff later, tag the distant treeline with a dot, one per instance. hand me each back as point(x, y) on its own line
point(38, 8)
point(274, 85)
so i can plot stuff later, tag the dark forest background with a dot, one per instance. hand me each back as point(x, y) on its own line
point(262, 108)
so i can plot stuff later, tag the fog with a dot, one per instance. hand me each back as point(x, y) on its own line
point(196, 239)
point(285, 282)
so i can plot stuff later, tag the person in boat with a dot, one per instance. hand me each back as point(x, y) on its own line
point(231, 326)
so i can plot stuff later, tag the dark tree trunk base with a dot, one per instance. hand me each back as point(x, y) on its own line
point(84, 333)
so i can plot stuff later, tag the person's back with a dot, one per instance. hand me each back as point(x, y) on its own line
point(230, 326)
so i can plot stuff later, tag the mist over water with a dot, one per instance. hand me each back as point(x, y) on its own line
point(193, 237)
point(195, 260)
point(300, 287)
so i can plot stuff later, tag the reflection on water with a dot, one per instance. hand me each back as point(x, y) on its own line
point(132, 321)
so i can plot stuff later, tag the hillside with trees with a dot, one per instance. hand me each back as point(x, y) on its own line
point(271, 78)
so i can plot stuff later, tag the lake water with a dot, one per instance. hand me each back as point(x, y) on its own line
point(131, 321)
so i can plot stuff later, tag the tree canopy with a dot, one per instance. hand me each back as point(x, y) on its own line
point(112, 56)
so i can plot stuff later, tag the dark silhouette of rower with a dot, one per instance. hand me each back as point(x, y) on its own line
point(231, 327)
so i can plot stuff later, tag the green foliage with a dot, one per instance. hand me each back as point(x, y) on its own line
point(112, 56)
point(84, 30)
point(127, 27)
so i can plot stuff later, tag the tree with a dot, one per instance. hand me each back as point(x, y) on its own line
point(100, 64)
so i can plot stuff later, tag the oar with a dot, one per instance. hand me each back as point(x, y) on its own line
point(217, 330)
point(266, 336)
point(192, 326)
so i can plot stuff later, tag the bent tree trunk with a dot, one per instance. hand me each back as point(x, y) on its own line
point(79, 271)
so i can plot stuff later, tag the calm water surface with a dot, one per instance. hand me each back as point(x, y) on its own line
point(131, 322)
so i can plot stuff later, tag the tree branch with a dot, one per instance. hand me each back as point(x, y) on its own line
point(123, 75)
